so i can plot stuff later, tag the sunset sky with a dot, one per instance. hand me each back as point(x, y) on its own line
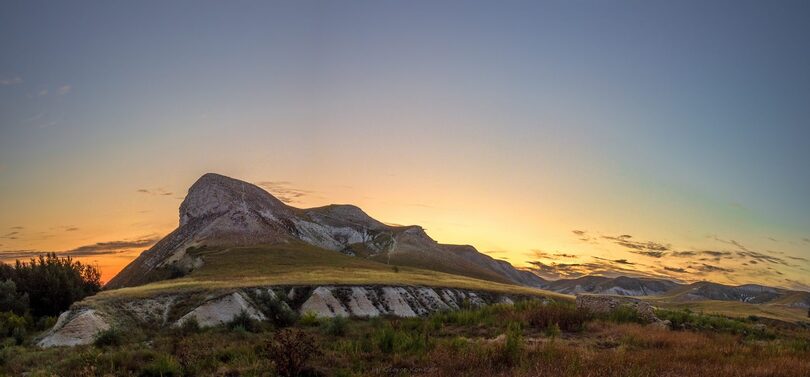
point(626, 137)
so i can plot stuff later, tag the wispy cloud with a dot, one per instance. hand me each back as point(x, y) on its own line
point(648, 248)
point(601, 266)
point(678, 270)
point(156, 192)
point(284, 191)
point(64, 89)
point(710, 268)
point(541, 254)
point(11, 235)
point(99, 248)
point(10, 81)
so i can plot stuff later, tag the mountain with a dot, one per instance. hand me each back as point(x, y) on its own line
point(222, 211)
point(676, 292)
point(749, 293)
point(622, 285)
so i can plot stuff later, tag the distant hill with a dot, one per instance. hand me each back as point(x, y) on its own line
point(675, 292)
point(622, 285)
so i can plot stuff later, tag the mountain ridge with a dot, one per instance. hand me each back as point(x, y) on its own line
point(222, 211)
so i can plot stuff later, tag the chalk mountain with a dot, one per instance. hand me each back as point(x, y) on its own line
point(222, 211)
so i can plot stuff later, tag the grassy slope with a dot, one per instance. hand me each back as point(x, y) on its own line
point(777, 309)
point(734, 308)
point(301, 264)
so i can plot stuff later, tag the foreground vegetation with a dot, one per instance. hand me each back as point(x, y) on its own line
point(33, 293)
point(530, 338)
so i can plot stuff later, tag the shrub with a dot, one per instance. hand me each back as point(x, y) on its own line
point(290, 350)
point(243, 321)
point(11, 300)
point(162, 366)
point(336, 326)
point(109, 338)
point(276, 310)
point(514, 343)
point(562, 315)
point(553, 331)
point(189, 326)
point(13, 325)
point(626, 314)
point(309, 319)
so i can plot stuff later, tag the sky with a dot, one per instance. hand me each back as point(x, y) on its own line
point(652, 138)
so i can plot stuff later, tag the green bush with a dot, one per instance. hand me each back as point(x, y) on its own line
point(243, 321)
point(309, 319)
point(514, 343)
point(189, 326)
point(687, 320)
point(336, 326)
point(13, 325)
point(276, 310)
point(111, 337)
point(626, 314)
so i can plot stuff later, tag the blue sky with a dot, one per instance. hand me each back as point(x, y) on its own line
point(679, 122)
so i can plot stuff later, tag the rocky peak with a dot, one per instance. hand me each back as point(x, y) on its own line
point(215, 194)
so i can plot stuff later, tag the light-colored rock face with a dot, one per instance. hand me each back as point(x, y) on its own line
point(222, 310)
point(609, 304)
point(82, 325)
point(75, 328)
point(330, 301)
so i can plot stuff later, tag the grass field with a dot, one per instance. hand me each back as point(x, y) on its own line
point(527, 339)
point(301, 264)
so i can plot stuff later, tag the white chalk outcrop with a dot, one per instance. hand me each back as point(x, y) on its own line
point(81, 325)
point(75, 327)
point(222, 310)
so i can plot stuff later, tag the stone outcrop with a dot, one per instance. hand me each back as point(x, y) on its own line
point(75, 327)
point(81, 325)
point(222, 310)
point(608, 304)
point(331, 301)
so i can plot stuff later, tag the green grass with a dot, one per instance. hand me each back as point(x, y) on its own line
point(300, 264)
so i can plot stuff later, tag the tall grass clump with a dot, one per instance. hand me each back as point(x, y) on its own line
point(290, 350)
point(559, 315)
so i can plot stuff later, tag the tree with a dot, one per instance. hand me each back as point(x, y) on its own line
point(11, 300)
point(52, 283)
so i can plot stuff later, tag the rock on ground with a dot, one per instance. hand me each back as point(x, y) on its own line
point(75, 328)
point(221, 310)
point(609, 304)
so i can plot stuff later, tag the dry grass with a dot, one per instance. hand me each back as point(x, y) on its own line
point(298, 264)
point(499, 340)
